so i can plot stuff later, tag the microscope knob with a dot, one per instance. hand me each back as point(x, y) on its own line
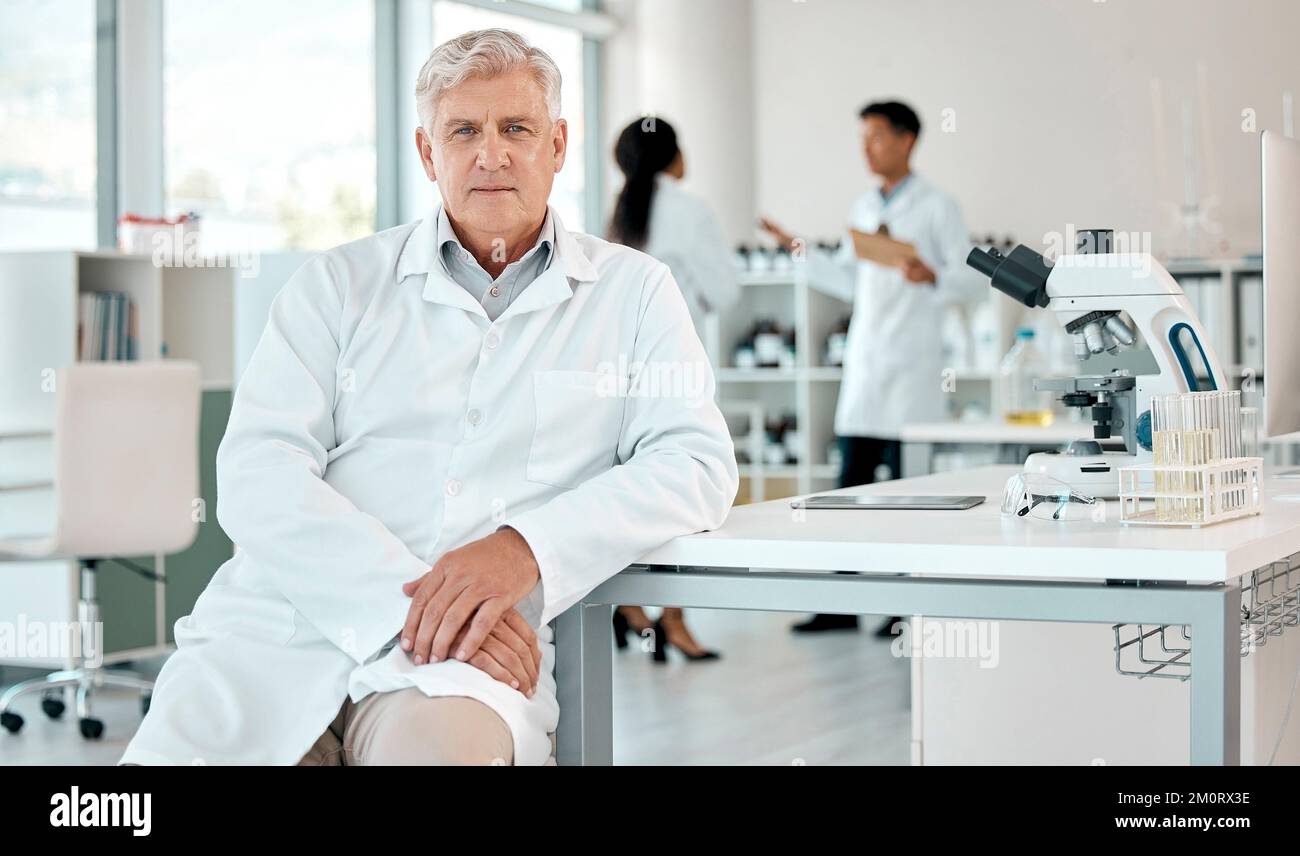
point(1094, 241)
point(1144, 430)
point(1101, 416)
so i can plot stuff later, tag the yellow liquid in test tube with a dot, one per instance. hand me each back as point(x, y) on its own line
point(1182, 502)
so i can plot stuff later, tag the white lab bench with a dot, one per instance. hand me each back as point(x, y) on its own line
point(971, 564)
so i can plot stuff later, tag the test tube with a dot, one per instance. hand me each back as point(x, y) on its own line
point(1214, 426)
point(1219, 401)
point(1225, 424)
point(1159, 425)
point(1166, 412)
point(1202, 450)
point(1232, 410)
point(1207, 447)
point(1249, 432)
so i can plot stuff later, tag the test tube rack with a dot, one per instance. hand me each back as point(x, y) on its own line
point(1190, 495)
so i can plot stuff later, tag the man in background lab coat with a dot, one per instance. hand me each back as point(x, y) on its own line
point(449, 433)
point(893, 356)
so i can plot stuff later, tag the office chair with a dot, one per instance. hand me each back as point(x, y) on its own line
point(125, 482)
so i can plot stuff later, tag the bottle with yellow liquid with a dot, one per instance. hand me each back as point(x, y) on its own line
point(1021, 403)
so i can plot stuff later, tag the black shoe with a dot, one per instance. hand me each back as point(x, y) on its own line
point(886, 630)
point(821, 622)
point(621, 629)
point(660, 652)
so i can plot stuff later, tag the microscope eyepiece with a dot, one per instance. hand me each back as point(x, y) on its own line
point(1022, 275)
point(986, 262)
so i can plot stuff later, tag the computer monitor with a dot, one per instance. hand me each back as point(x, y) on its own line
point(1280, 167)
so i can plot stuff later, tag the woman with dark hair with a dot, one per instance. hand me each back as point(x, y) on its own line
point(655, 215)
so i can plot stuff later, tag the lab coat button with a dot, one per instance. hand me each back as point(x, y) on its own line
point(453, 486)
point(494, 291)
point(492, 340)
point(475, 417)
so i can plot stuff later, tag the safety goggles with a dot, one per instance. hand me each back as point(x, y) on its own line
point(1045, 498)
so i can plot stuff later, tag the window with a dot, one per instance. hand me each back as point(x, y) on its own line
point(269, 118)
point(565, 47)
point(562, 5)
point(47, 124)
point(269, 121)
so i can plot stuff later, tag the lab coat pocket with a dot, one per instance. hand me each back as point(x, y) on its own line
point(227, 609)
point(578, 418)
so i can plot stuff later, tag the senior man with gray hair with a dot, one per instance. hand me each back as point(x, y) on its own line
point(443, 440)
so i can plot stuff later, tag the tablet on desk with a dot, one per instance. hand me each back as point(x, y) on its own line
point(872, 501)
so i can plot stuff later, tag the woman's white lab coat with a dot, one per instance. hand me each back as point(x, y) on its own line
point(383, 420)
point(684, 234)
point(893, 356)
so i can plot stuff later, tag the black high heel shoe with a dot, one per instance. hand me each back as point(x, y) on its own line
point(621, 629)
point(660, 653)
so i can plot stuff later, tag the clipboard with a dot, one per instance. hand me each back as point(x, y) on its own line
point(881, 249)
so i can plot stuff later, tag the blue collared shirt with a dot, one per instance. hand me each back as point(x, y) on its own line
point(495, 295)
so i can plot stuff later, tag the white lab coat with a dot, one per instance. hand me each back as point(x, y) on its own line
point(684, 234)
point(384, 420)
point(893, 356)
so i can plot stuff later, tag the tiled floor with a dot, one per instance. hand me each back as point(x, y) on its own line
point(774, 698)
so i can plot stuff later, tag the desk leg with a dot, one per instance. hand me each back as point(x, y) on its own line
point(584, 674)
point(1216, 679)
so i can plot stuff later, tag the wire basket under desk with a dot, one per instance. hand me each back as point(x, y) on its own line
point(1270, 605)
point(1270, 602)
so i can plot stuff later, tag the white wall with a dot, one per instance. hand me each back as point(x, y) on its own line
point(1053, 102)
point(689, 62)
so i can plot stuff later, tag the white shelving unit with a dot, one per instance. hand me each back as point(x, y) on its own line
point(809, 389)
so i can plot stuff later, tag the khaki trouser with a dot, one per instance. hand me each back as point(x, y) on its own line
point(406, 727)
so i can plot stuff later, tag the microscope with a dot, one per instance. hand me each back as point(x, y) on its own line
point(1133, 327)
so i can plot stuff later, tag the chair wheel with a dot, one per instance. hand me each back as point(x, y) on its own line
point(144, 704)
point(11, 721)
point(92, 729)
point(53, 707)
